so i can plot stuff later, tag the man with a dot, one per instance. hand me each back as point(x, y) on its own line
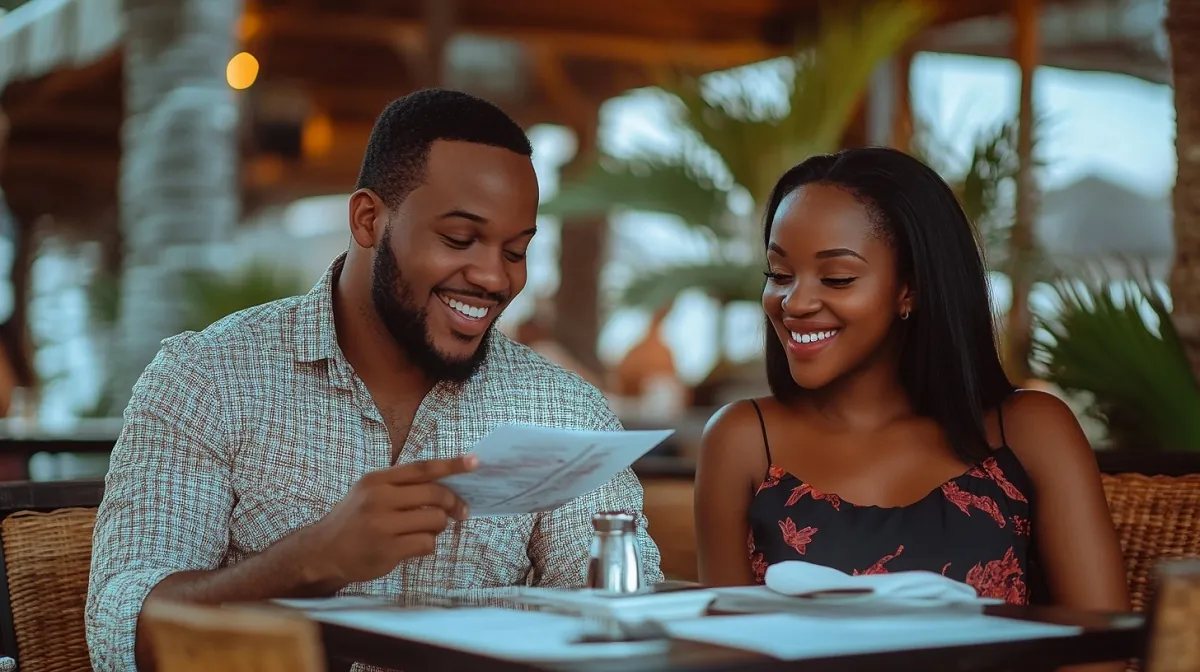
point(293, 449)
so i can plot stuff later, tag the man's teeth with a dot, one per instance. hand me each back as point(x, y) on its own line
point(812, 337)
point(470, 311)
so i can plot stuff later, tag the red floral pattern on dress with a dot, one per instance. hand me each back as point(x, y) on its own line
point(878, 567)
point(774, 475)
point(758, 563)
point(797, 539)
point(806, 489)
point(965, 500)
point(990, 469)
point(1001, 579)
point(927, 537)
point(1021, 525)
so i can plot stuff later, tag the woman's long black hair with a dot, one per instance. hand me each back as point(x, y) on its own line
point(950, 363)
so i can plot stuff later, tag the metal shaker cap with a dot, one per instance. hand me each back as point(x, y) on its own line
point(613, 521)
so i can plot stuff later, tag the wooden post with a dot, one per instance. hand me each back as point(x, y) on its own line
point(439, 28)
point(902, 119)
point(889, 103)
point(1018, 341)
point(582, 252)
point(5, 127)
point(1183, 27)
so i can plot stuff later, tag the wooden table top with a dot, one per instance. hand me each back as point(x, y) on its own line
point(1106, 637)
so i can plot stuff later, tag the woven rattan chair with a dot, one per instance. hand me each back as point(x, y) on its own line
point(1157, 518)
point(190, 638)
point(48, 557)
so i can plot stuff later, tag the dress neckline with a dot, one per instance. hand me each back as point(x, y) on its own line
point(777, 474)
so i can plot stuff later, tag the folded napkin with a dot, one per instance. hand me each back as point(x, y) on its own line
point(805, 579)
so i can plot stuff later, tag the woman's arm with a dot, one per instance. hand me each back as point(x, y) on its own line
point(1075, 533)
point(731, 453)
point(1076, 538)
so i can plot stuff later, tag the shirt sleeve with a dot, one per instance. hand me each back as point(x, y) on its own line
point(166, 505)
point(562, 538)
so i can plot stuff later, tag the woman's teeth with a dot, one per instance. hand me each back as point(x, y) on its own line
point(813, 336)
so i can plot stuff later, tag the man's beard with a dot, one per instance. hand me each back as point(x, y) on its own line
point(397, 309)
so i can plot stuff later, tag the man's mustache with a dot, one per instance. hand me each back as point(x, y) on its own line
point(486, 296)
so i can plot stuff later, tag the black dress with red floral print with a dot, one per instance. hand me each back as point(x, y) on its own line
point(975, 528)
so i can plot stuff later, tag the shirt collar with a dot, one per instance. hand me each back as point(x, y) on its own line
point(314, 331)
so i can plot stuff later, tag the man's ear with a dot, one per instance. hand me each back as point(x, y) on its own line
point(368, 218)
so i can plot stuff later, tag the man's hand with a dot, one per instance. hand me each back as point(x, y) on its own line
point(388, 516)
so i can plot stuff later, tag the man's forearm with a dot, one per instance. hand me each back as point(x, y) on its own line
point(286, 569)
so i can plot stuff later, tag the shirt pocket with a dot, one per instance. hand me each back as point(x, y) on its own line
point(279, 496)
point(487, 552)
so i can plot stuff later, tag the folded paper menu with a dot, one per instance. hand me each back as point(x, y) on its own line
point(531, 469)
point(499, 633)
point(805, 579)
point(796, 637)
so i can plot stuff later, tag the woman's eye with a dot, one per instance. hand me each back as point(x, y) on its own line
point(838, 282)
point(515, 257)
point(457, 243)
point(777, 278)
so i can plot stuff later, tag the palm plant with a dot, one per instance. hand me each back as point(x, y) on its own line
point(212, 295)
point(734, 142)
point(983, 181)
point(1096, 339)
point(208, 296)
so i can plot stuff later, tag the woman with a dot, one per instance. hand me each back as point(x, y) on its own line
point(892, 439)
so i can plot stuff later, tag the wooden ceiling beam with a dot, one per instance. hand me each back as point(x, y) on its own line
point(26, 104)
point(696, 52)
point(51, 162)
point(578, 103)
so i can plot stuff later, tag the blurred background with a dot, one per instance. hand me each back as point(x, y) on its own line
point(164, 163)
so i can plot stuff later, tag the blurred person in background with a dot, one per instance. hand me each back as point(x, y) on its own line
point(893, 439)
point(294, 449)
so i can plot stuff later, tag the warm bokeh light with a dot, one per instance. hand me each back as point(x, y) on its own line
point(241, 71)
point(249, 25)
point(316, 138)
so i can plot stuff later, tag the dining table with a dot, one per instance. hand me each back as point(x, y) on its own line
point(1099, 637)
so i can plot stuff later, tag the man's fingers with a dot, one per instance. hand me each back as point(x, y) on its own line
point(424, 495)
point(413, 545)
point(430, 470)
point(430, 520)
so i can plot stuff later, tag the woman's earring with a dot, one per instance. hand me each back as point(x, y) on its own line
point(905, 314)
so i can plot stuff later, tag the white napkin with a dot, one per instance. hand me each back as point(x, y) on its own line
point(797, 578)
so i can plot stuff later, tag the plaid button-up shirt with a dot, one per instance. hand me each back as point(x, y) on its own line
point(240, 434)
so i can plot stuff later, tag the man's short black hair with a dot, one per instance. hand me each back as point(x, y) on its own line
point(394, 163)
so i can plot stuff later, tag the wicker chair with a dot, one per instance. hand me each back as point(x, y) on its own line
point(1157, 518)
point(48, 557)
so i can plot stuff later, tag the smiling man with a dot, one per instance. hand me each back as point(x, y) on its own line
point(294, 449)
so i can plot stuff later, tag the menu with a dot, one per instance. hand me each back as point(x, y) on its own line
point(532, 469)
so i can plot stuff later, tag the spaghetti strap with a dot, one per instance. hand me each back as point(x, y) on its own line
point(763, 425)
point(1000, 421)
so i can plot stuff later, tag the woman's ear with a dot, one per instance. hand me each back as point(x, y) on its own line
point(907, 302)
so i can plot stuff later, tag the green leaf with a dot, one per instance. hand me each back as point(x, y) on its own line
point(654, 184)
point(1101, 344)
point(826, 82)
point(211, 295)
point(723, 280)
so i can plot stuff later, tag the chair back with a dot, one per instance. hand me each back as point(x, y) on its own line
point(47, 560)
point(1157, 518)
point(192, 638)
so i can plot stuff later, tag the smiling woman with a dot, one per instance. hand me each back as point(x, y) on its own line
point(892, 439)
